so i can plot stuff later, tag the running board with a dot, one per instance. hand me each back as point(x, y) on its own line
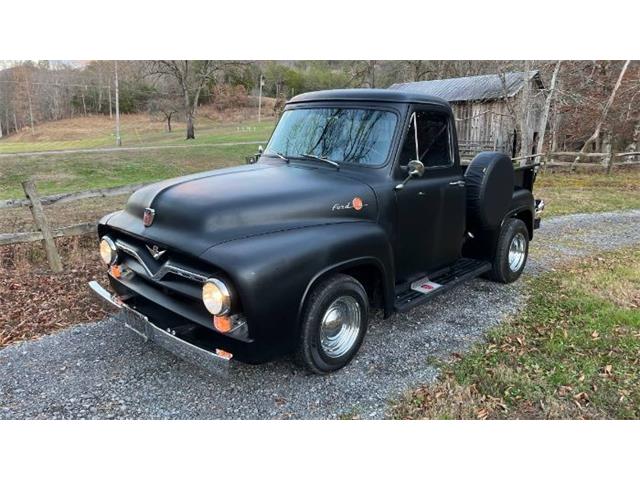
point(420, 291)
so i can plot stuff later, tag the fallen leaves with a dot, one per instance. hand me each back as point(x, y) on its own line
point(35, 302)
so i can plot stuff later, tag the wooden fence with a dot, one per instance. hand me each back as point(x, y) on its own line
point(47, 234)
point(44, 231)
point(602, 160)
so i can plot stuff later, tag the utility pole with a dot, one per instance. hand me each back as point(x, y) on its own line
point(118, 139)
point(110, 103)
point(33, 129)
point(260, 98)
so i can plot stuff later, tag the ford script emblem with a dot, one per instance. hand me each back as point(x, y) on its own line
point(149, 215)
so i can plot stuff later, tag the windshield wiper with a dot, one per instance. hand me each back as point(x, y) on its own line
point(322, 159)
point(279, 155)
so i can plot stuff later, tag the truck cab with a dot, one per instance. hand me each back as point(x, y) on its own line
point(358, 201)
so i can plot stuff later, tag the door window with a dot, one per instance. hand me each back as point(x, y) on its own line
point(432, 139)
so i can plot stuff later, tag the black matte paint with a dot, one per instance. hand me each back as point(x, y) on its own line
point(272, 229)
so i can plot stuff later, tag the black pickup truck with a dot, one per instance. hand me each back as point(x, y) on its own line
point(359, 201)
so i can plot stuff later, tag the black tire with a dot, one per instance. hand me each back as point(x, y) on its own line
point(310, 353)
point(501, 270)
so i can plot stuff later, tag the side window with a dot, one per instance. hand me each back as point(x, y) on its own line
point(433, 141)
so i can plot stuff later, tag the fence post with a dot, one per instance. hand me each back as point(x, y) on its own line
point(41, 222)
point(612, 156)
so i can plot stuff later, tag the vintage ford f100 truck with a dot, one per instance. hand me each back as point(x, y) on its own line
point(358, 201)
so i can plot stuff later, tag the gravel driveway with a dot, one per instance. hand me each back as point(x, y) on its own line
point(104, 371)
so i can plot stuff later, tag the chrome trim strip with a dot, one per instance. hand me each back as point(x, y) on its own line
point(134, 253)
point(164, 269)
point(168, 267)
point(140, 324)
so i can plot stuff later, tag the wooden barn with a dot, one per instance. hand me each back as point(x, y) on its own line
point(485, 108)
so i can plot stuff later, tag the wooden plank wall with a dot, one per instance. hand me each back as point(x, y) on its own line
point(489, 125)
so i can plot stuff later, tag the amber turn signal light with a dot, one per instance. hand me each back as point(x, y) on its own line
point(116, 271)
point(222, 323)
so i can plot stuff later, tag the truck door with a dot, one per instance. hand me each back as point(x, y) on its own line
point(431, 208)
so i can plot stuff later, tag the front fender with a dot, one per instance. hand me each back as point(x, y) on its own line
point(273, 272)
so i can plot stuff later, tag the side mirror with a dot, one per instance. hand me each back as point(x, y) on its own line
point(416, 169)
point(254, 158)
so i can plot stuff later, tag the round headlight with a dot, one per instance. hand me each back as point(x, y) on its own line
point(108, 251)
point(216, 297)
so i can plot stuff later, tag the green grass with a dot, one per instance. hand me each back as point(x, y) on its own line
point(574, 352)
point(98, 132)
point(82, 171)
point(567, 193)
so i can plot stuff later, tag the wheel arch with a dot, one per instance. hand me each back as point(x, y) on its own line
point(524, 214)
point(369, 271)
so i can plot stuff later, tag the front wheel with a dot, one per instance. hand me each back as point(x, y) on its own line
point(511, 252)
point(334, 323)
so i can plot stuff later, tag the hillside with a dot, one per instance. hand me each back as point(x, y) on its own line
point(96, 131)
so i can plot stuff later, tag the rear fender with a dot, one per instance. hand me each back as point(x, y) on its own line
point(485, 241)
point(522, 207)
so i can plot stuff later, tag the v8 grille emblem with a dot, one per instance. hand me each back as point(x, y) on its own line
point(155, 252)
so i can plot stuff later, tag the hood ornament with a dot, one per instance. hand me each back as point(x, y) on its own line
point(155, 252)
point(148, 216)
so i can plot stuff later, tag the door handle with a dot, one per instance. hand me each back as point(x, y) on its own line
point(459, 183)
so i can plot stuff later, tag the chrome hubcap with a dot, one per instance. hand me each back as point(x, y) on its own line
point(340, 326)
point(517, 252)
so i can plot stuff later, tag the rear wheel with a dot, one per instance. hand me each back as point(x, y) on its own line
point(334, 323)
point(511, 252)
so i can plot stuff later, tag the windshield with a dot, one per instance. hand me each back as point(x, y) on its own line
point(348, 135)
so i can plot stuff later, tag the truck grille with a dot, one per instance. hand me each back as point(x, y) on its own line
point(171, 280)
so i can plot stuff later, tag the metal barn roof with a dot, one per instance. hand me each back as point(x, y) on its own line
point(481, 87)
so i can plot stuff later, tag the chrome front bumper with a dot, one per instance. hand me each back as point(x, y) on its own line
point(140, 324)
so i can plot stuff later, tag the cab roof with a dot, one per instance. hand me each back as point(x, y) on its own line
point(368, 95)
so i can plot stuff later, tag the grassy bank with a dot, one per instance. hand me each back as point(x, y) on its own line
point(81, 171)
point(136, 130)
point(566, 193)
point(574, 352)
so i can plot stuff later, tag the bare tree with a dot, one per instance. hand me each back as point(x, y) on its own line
point(168, 105)
point(524, 114)
point(544, 119)
point(363, 73)
point(418, 69)
point(192, 77)
point(603, 116)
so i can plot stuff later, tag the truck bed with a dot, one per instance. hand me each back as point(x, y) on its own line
point(525, 175)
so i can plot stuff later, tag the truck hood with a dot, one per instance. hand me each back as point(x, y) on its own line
point(196, 212)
